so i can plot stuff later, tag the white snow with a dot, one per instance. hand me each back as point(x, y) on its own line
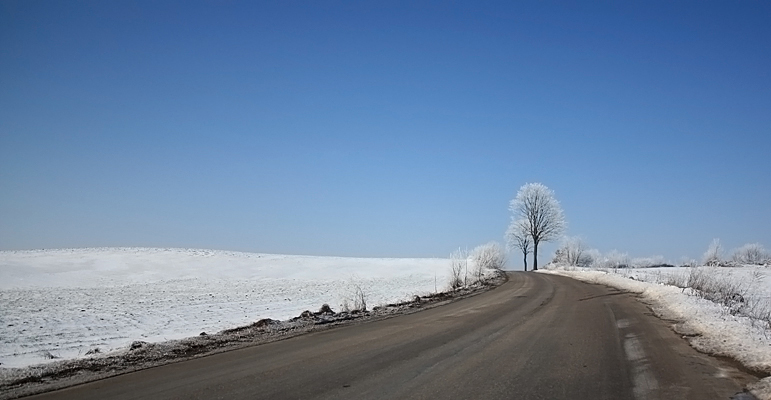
point(66, 302)
point(718, 331)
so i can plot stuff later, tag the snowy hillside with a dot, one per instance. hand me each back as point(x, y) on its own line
point(63, 303)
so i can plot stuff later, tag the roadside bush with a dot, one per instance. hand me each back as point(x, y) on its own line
point(573, 252)
point(759, 309)
point(613, 260)
point(488, 256)
point(359, 299)
point(751, 253)
point(736, 294)
point(739, 294)
point(355, 299)
point(458, 268)
point(677, 279)
point(697, 279)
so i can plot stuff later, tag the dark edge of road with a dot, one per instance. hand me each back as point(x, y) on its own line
point(68, 373)
point(687, 336)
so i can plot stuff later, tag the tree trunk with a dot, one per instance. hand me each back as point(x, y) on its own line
point(535, 256)
point(524, 258)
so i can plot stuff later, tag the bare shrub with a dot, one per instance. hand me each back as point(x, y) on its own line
point(677, 279)
point(96, 350)
point(751, 253)
point(355, 298)
point(723, 289)
point(325, 309)
point(458, 267)
point(714, 254)
point(647, 262)
point(359, 298)
point(697, 279)
point(486, 257)
point(571, 252)
point(759, 310)
point(739, 295)
point(613, 260)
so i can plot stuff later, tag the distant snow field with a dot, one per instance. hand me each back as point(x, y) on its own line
point(64, 303)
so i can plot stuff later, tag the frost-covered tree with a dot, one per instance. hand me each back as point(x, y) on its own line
point(714, 254)
point(572, 250)
point(541, 212)
point(488, 256)
point(590, 258)
point(751, 253)
point(518, 237)
point(613, 259)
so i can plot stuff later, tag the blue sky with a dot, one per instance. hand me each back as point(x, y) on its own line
point(382, 128)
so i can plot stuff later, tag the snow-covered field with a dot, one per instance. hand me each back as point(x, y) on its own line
point(723, 329)
point(63, 303)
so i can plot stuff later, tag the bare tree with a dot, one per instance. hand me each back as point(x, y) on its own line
point(713, 255)
point(518, 237)
point(541, 212)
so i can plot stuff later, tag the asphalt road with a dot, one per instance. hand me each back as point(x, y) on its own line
point(536, 337)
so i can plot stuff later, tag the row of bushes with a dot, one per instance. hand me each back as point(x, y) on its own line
point(751, 253)
point(740, 295)
point(573, 252)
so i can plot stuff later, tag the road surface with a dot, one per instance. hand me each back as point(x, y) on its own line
point(538, 336)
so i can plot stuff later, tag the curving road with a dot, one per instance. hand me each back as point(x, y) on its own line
point(536, 337)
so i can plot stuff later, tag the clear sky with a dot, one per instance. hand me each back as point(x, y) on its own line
point(384, 129)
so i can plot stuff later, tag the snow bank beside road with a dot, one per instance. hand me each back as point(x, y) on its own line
point(709, 326)
point(63, 303)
